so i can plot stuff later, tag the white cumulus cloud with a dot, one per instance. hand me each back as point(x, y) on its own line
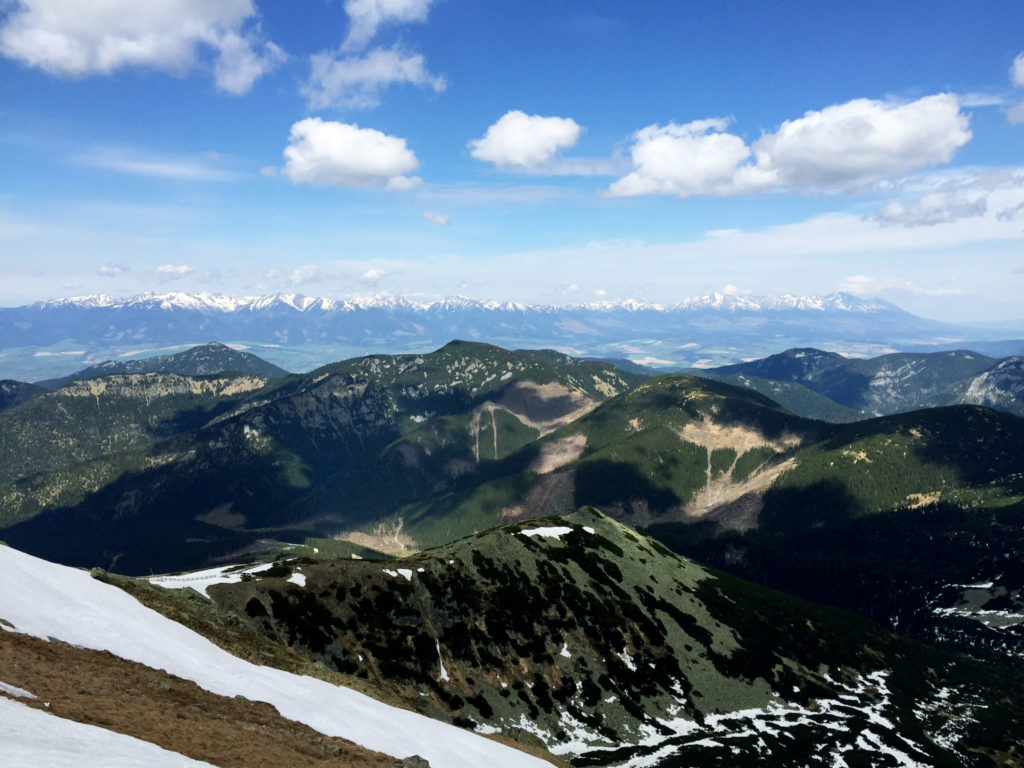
point(696, 158)
point(356, 82)
point(437, 218)
point(64, 38)
point(345, 155)
point(841, 147)
point(367, 16)
point(372, 275)
point(528, 141)
point(863, 141)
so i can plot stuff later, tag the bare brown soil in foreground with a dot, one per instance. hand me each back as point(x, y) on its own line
point(98, 688)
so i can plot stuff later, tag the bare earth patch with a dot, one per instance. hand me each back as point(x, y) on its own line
point(714, 436)
point(545, 407)
point(558, 453)
point(721, 491)
point(918, 500)
point(387, 539)
point(98, 688)
point(223, 517)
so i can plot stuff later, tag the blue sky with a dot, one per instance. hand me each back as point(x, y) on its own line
point(537, 151)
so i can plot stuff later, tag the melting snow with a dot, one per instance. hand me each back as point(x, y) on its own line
point(440, 661)
point(854, 721)
point(554, 532)
point(200, 580)
point(298, 578)
point(13, 690)
point(47, 600)
point(33, 738)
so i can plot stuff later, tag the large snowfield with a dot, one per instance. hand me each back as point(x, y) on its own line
point(53, 601)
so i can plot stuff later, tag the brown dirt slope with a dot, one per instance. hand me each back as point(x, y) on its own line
point(98, 688)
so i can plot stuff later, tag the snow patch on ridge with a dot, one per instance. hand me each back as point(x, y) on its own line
point(200, 580)
point(553, 532)
point(47, 600)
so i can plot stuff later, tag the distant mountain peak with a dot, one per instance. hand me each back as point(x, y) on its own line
point(213, 357)
point(217, 302)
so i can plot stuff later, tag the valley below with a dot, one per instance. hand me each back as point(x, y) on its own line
point(581, 562)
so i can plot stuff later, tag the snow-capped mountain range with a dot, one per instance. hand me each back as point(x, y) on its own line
point(217, 302)
point(299, 332)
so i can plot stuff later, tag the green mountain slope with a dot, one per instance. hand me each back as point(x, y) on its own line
point(58, 446)
point(795, 397)
point(311, 454)
point(894, 518)
point(204, 360)
point(599, 643)
point(14, 393)
point(674, 448)
point(893, 383)
point(727, 476)
point(398, 453)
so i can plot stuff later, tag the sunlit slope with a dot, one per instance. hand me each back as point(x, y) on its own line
point(687, 450)
point(204, 360)
point(307, 455)
point(609, 649)
point(890, 383)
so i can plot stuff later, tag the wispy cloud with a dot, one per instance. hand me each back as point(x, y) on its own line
point(340, 81)
point(509, 194)
point(981, 99)
point(173, 271)
point(352, 77)
point(437, 218)
point(863, 285)
point(367, 16)
point(113, 270)
point(139, 162)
